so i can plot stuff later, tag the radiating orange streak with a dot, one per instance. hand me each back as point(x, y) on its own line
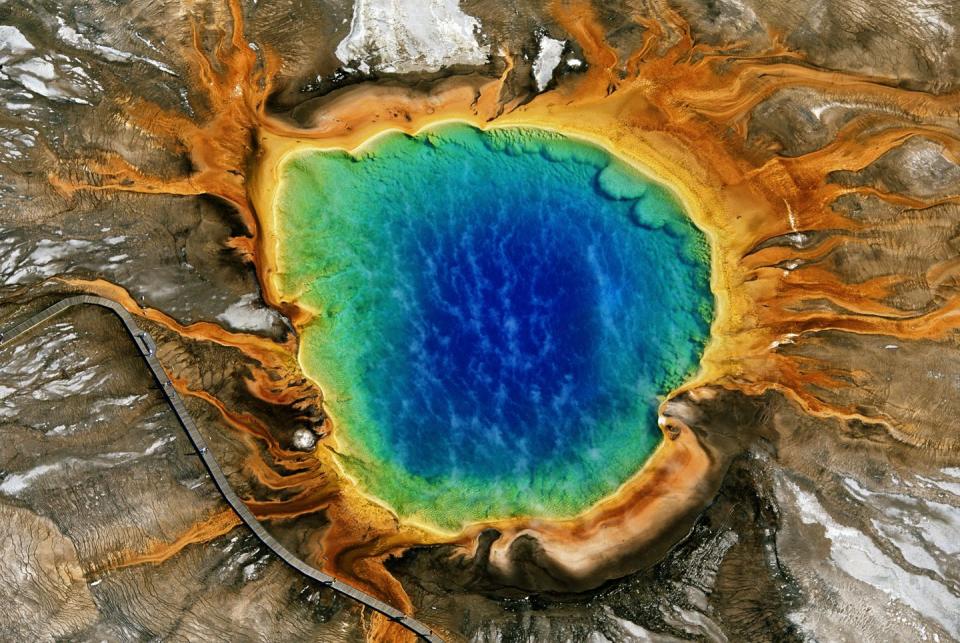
point(316, 488)
point(809, 283)
point(242, 422)
point(304, 503)
point(855, 151)
point(856, 146)
point(774, 255)
point(264, 351)
point(247, 424)
point(353, 547)
point(936, 325)
point(751, 83)
point(909, 202)
point(787, 378)
point(280, 393)
point(577, 17)
point(217, 525)
point(220, 147)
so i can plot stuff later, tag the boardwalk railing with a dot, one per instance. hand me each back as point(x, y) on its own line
point(148, 349)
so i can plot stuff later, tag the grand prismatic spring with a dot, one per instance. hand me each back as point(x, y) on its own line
point(537, 321)
point(496, 316)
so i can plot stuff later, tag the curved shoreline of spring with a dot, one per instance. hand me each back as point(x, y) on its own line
point(147, 347)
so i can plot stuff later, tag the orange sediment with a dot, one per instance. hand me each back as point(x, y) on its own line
point(213, 527)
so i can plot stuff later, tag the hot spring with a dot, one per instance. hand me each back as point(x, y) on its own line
point(495, 315)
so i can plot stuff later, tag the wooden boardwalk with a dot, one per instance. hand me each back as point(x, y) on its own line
point(148, 349)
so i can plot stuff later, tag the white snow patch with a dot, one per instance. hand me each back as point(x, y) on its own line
point(71, 36)
point(39, 67)
point(60, 429)
point(46, 251)
point(250, 572)
point(17, 482)
point(818, 109)
point(928, 17)
point(791, 217)
point(60, 388)
point(12, 43)
point(854, 553)
point(631, 629)
point(246, 315)
point(548, 57)
point(13, 145)
point(40, 76)
point(46, 259)
point(405, 36)
point(936, 521)
point(156, 446)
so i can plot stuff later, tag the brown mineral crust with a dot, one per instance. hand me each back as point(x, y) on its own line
point(32, 546)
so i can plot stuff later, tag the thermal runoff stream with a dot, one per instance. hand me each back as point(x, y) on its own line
point(495, 315)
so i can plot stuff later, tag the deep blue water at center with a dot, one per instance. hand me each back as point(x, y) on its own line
point(504, 344)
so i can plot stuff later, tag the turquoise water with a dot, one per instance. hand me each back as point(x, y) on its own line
point(498, 313)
